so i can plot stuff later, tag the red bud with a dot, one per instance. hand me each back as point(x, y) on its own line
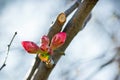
point(58, 40)
point(44, 48)
point(45, 40)
point(30, 47)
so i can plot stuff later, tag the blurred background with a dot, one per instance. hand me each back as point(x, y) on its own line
point(92, 55)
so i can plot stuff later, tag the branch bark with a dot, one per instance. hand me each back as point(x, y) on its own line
point(34, 67)
point(72, 8)
point(72, 28)
point(57, 26)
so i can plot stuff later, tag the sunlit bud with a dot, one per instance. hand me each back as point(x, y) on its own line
point(30, 47)
point(44, 48)
point(58, 40)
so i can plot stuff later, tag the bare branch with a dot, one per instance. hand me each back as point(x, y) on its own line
point(57, 26)
point(8, 49)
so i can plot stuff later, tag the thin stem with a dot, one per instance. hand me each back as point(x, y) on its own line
point(8, 49)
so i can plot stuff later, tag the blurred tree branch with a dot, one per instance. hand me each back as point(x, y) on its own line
point(75, 24)
point(8, 49)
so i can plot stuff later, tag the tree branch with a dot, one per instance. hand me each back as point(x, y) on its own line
point(55, 28)
point(72, 8)
point(72, 28)
point(8, 49)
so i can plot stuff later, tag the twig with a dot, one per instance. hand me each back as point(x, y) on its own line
point(106, 61)
point(57, 26)
point(117, 77)
point(8, 49)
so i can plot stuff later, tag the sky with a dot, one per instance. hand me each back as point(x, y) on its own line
point(32, 19)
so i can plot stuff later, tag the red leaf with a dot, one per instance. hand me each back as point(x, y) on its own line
point(30, 47)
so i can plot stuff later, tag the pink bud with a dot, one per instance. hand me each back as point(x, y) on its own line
point(58, 40)
point(30, 47)
point(45, 40)
point(44, 48)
